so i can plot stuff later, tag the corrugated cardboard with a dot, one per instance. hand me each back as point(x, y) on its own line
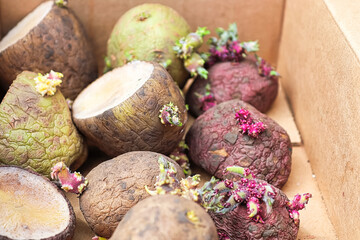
point(315, 56)
point(319, 61)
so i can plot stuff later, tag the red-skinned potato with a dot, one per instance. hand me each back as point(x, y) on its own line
point(118, 184)
point(215, 141)
point(166, 217)
point(233, 80)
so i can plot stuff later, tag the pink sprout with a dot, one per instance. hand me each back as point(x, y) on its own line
point(266, 70)
point(70, 182)
point(223, 236)
point(208, 101)
point(248, 125)
point(298, 203)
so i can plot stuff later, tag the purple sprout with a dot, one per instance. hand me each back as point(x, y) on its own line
point(248, 125)
point(298, 203)
point(228, 48)
point(266, 70)
point(223, 236)
point(222, 196)
point(208, 99)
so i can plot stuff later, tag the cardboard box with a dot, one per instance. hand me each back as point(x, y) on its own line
point(315, 45)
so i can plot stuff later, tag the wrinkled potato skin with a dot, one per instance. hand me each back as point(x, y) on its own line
point(234, 80)
point(163, 217)
point(116, 185)
point(134, 125)
point(40, 128)
point(277, 225)
point(268, 156)
point(57, 43)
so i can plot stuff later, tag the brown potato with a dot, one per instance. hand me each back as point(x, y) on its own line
point(118, 184)
point(119, 111)
point(166, 217)
point(49, 38)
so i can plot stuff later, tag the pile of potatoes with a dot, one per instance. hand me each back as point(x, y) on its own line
point(135, 114)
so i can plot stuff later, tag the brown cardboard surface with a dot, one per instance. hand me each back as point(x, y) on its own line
point(281, 113)
point(314, 50)
point(257, 20)
point(321, 72)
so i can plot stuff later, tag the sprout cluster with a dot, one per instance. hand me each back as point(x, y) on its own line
point(266, 70)
point(228, 48)
point(298, 203)
point(169, 115)
point(248, 125)
point(70, 182)
point(186, 49)
point(46, 85)
point(222, 196)
point(179, 155)
point(208, 99)
point(167, 183)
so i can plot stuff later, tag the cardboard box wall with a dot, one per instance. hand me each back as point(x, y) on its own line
point(315, 56)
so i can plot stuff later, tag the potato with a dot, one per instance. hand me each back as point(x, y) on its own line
point(32, 207)
point(215, 142)
point(234, 80)
point(49, 38)
point(120, 111)
point(248, 208)
point(118, 184)
point(166, 217)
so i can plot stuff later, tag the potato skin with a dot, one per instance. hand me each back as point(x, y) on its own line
point(234, 80)
point(57, 43)
point(118, 184)
point(268, 156)
point(134, 125)
point(163, 217)
point(40, 127)
point(277, 225)
point(131, 36)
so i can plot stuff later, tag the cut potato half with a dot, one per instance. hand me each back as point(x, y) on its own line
point(32, 207)
point(49, 38)
point(25, 25)
point(119, 112)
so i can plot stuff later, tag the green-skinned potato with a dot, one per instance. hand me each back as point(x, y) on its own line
point(166, 217)
point(49, 38)
point(149, 32)
point(32, 207)
point(128, 109)
point(36, 131)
